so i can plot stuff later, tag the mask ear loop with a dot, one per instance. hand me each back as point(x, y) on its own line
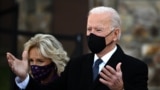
point(109, 33)
point(107, 36)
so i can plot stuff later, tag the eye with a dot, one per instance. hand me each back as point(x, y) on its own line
point(30, 61)
point(89, 29)
point(98, 30)
point(40, 60)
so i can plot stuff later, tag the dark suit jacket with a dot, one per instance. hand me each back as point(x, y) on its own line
point(78, 74)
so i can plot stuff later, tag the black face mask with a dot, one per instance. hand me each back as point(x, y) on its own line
point(96, 43)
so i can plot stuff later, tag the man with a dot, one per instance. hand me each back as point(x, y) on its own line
point(117, 71)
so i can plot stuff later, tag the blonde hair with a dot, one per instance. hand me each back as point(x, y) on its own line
point(49, 47)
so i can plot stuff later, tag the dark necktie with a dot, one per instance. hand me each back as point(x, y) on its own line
point(96, 68)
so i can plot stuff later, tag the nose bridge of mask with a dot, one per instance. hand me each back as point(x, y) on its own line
point(105, 35)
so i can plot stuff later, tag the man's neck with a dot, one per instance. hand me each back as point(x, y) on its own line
point(106, 50)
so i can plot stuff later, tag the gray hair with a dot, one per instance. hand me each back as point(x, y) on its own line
point(115, 18)
point(49, 47)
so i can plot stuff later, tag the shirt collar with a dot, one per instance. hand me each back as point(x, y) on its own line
point(107, 56)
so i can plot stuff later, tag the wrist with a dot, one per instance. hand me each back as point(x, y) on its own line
point(23, 77)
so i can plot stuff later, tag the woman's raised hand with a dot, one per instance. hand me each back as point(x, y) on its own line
point(19, 67)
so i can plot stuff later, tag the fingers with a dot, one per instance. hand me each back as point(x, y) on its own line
point(118, 67)
point(10, 59)
point(119, 72)
point(10, 56)
point(110, 69)
point(104, 81)
point(112, 77)
point(25, 55)
point(108, 73)
point(105, 74)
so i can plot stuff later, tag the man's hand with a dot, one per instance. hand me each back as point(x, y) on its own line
point(111, 77)
point(19, 67)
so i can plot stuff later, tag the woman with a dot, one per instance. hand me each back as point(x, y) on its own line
point(46, 58)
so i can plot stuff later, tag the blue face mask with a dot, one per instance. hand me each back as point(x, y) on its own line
point(96, 43)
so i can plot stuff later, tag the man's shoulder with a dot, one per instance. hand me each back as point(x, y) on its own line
point(84, 56)
point(134, 61)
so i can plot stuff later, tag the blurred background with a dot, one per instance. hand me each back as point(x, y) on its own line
point(66, 20)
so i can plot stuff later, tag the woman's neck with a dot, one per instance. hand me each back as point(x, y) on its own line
point(49, 78)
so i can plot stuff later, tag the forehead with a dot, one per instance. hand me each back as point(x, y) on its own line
point(98, 19)
point(34, 52)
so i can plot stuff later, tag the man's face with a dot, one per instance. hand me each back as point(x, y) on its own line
point(98, 24)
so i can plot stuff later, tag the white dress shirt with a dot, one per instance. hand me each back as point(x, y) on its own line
point(22, 84)
point(105, 58)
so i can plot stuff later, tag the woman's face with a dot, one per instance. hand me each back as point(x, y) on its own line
point(36, 58)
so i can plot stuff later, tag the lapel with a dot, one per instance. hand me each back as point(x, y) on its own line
point(113, 61)
point(116, 57)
